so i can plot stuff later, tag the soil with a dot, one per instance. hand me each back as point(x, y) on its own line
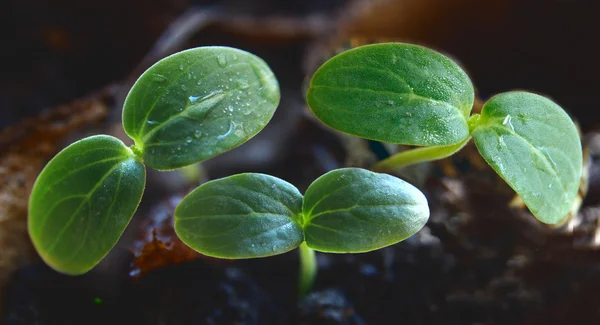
point(477, 261)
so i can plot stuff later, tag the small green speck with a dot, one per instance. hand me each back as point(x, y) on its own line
point(97, 300)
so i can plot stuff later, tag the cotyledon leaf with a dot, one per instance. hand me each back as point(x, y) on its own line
point(399, 93)
point(82, 201)
point(534, 146)
point(198, 103)
point(241, 216)
point(353, 210)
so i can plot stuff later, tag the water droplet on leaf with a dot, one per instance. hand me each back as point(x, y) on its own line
point(222, 60)
point(508, 122)
point(226, 134)
point(243, 83)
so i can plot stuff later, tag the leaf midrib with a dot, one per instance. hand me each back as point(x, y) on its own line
point(85, 200)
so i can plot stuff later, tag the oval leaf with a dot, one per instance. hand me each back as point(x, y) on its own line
point(400, 93)
point(534, 146)
point(241, 216)
point(198, 103)
point(353, 210)
point(82, 201)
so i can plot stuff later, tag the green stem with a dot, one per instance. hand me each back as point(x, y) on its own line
point(308, 269)
point(418, 155)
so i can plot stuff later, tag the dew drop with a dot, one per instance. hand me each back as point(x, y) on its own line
point(230, 108)
point(226, 134)
point(501, 143)
point(508, 122)
point(181, 67)
point(222, 60)
point(183, 87)
point(390, 102)
point(160, 78)
point(243, 83)
point(188, 139)
point(197, 134)
point(547, 154)
point(235, 57)
point(152, 122)
point(274, 248)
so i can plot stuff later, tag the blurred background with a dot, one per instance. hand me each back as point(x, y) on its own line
point(67, 66)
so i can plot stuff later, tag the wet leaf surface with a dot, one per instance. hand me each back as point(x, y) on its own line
point(353, 210)
point(198, 103)
point(533, 144)
point(400, 93)
point(241, 216)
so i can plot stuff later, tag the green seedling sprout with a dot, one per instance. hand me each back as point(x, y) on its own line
point(348, 210)
point(407, 94)
point(186, 108)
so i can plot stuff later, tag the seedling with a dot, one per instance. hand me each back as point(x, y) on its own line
point(186, 108)
point(407, 94)
point(347, 210)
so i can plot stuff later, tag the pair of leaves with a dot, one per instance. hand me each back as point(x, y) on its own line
point(347, 210)
point(186, 108)
point(408, 94)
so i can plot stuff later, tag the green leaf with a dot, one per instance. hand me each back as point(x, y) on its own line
point(198, 103)
point(241, 216)
point(353, 210)
point(82, 201)
point(534, 146)
point(398, 93)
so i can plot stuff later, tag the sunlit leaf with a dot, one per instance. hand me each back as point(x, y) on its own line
point(198, 103)
point(394, 92)
point(353, 210)
point(82, 202)
point(534, 146)
point(241, 216)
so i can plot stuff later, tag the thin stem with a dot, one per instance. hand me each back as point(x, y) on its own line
point(308, 269)
point(418, 155)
